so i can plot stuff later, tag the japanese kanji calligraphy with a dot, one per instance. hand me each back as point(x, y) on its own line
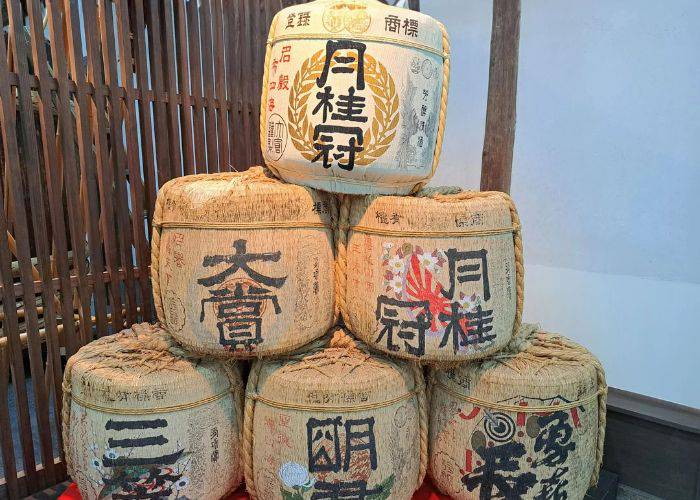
point(445, 294)
point(239, 295)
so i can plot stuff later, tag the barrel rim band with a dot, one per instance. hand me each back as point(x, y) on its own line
point(170, 224)
point(367, 38)
point(329, 409)
point(515, 228)
point(492, 405)
point(146, 411)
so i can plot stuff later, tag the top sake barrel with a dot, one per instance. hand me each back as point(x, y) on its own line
point(354, 96)
point(242, 263)
point(435, 278)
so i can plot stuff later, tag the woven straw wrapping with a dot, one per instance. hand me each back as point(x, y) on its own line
point(335, 421)
point(140, 416)
point(320, 106)
point(242, 263)
point(436, 277)
point(529, 423)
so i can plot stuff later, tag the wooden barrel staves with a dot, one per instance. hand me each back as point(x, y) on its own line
point(528, 423)
point(335, 422)
point(140, 418)
point(436, 278)
point(354, 96)
point(242, 263)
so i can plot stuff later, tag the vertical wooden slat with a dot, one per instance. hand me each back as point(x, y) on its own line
point(11, 323)
point(499, 137)
point(70, 172)
point(118, 155)
point(105, 178)
point(135, 181)
point(31, 163)
point(161, 131)
point(184, 70)
point(207, 69)
point(247, 63)
point(231, 9)
point(196, 79)
point(53, 183)
point(169, 68)
point(220, 79)
point(145, 121)
point(88, 169)
point(6, 444)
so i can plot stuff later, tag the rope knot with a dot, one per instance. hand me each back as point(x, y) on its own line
point(342, 339)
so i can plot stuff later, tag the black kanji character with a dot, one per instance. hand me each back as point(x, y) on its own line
point(323, 444)
point(344, 62)
point(466, 327)
point(497, 460)
point(240, 260)
point(324, 102)
point(344, 490)
point(554, 439)
point(387, 314)
point(349, 107)
point(392, 23)
point(359, 436)
point(467, 272)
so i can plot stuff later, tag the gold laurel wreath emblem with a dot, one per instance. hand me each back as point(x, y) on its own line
point(377, 138)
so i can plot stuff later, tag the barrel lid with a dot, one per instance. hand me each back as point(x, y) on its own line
point(535, 364)
point(143, 369)
point(342, 375)
point(465, 212)
point(362, 20)
point(247, 197)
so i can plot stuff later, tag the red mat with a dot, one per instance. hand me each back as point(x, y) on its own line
point(427, 492)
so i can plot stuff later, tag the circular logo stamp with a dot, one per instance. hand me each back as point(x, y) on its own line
point(276, 136)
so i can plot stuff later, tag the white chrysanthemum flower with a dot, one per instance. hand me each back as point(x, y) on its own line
point(428, 261)
point(397, 265)
point(396, 283)
point(293, 474)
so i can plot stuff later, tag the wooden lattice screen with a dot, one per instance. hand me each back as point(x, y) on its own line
point(101, 102)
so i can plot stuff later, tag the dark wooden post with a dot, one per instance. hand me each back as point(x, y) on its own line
point(497, 157)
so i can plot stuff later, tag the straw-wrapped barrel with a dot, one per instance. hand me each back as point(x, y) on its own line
point(354, 96)
point(529, 423)
point(242, 263)
point(141, 419)
point(335, 422)
point(436, 277)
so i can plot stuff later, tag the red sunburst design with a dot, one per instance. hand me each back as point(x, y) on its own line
point(419, 286)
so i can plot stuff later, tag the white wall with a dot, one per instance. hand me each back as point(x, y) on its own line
point(605, 175)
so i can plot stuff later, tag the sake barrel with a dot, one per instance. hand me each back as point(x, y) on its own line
point(354, 96)
point(335, 422)
point(242, 263)
point(528, 423)
point(437, 278)
point(143, 420)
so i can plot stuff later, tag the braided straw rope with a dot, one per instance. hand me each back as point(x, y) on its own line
point(423, 423)
point(341, 258)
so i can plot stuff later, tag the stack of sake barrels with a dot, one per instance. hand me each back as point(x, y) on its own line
point(332, 280)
